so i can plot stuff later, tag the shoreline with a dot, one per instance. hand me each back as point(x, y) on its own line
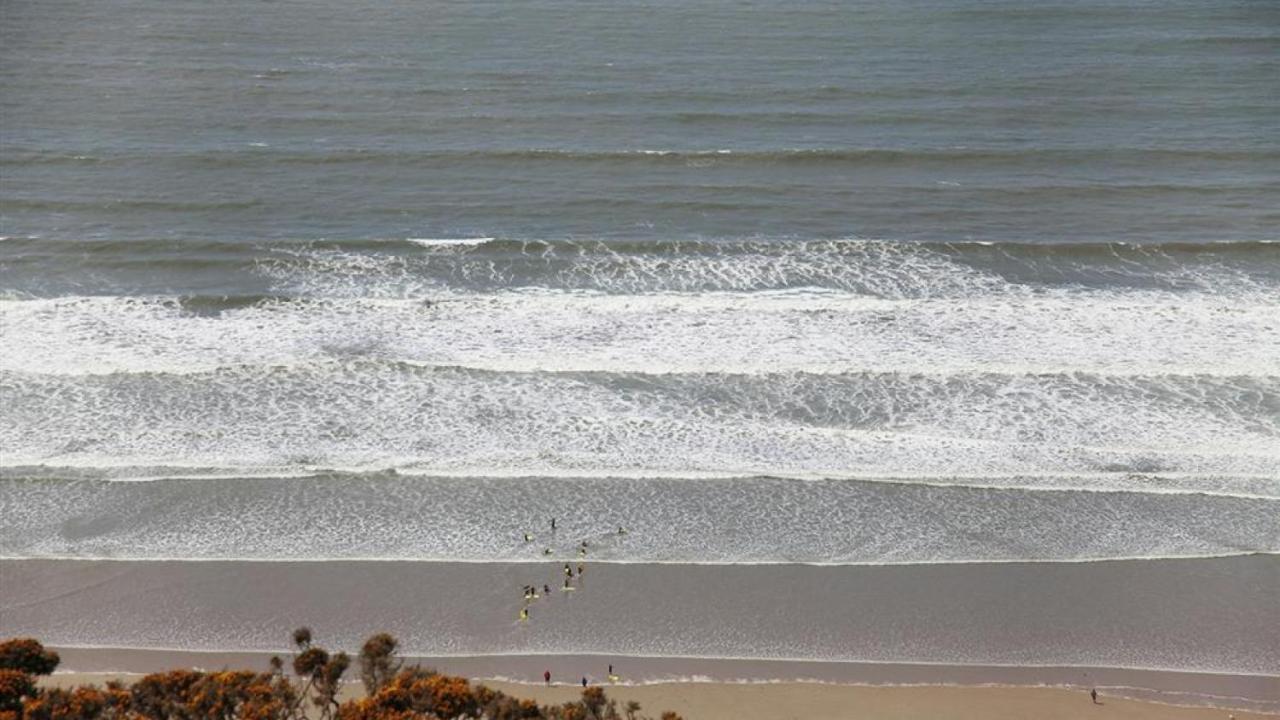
point(520, 674)
point(1010, 632)
point(822, 701)
point(1208, 616)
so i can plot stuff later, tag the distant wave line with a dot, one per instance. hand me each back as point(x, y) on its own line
point(693, 243)
point(846, 154)
point(960, 371)
point(559, 559)
point(448, 242)
point(959, 482)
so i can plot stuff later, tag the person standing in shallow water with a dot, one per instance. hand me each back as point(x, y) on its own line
point(546, 676)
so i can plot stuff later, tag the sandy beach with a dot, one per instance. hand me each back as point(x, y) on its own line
point(813, 701)
point(1197, 615)
point(840, 640)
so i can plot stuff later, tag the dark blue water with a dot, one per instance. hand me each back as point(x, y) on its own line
point(996, 121)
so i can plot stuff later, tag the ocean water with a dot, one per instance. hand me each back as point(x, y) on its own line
point(814, 283)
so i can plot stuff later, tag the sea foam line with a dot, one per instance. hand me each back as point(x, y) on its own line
point(449, 242)
point(28, 472)
point(281, 650)
point(557, 560)
point(551, 331)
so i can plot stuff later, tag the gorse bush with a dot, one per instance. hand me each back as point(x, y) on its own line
point(377, 662)
point(28, 656)
point(393, 692)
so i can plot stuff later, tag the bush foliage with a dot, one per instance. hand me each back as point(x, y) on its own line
point(393, 692)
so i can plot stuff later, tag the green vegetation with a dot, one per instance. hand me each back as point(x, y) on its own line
point(393, 692)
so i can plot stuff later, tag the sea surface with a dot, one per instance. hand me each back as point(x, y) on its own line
point(818, 286)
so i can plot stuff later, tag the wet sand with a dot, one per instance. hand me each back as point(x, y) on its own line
point(814, 701)
point(1209, 621)
point(1207, 615)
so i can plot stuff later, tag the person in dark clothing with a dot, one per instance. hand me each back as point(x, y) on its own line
point(546, 676)
point(584, 681)
point(1093, 695)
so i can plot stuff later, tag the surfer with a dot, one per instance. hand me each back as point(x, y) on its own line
point(528, 537)
point(524, 614)
point(568, 571)
point(553, 524)
point(581, 567)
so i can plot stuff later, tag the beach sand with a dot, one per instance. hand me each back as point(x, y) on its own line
point(1205, 615)
point(815, 701)
point(872, 639)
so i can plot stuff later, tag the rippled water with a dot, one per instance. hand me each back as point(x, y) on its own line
point(815, 282)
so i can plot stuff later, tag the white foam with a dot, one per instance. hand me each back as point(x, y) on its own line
point(449, 242)
point(871, 268)
point(389, 415)
point(669, 521)
point(552, 331)
point(860, 266)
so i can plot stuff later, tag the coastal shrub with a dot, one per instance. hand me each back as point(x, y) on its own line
point(593, 698)
point(14, 686)
point(82, 703)
point(328, 683)
point(311, 662)
point(411, 693)
point(164, 696)
point(377, 662)
point(422, 693)
point(27, 655)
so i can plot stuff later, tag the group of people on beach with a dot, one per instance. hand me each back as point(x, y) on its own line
point(613, 678)
point(572, 579)
point(572, 576)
